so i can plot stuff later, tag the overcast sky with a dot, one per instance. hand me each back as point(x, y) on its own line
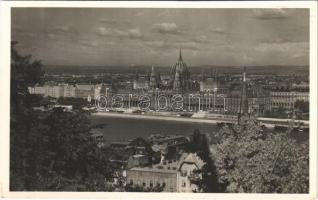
point(126, 36)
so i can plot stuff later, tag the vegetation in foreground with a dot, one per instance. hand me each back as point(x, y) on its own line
point(250, 160)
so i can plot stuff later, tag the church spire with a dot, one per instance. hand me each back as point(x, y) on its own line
point(153, 71)
point(136, 74)
point(244, 99)
point(180, 55)
point(153, 78)
point(244, 75)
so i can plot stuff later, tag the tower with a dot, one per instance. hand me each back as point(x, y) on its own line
point(136, 75)
point(153, 78)
point(244, 100)
point(180, 55)
point(135, 82)
point(202, 84)
point(159, 79)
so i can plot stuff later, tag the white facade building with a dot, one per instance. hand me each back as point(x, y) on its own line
point(287, 100)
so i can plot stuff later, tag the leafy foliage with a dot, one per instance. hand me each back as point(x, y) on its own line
point(249, 160)
point(302, 106)
point(77, 103)
point(50, 150)
point(199, 144)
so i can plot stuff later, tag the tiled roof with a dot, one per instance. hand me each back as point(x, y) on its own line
point(172, 166)
point(193, 158)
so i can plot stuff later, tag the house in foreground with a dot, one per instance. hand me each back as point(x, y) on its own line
point(176, 175)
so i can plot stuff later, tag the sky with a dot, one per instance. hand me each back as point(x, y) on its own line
point(153, 36)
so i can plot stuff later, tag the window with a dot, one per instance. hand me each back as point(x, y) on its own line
point(144, 184)
point(184, 183)
point(151, 184)
point(183, 173)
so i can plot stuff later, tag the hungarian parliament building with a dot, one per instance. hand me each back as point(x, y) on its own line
point(226, 95)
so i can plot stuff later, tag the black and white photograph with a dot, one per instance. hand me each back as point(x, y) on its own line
point(172, 100)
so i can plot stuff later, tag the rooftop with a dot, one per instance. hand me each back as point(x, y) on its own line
point(172, 166)
point(159, 137)
point(168, 167)
point(120, 143)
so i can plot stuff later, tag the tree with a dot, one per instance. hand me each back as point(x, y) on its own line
point(303, 106)
point(50, 150)
point(77, 103)
point(199, 144)
point(249, 160)
point(24, 72)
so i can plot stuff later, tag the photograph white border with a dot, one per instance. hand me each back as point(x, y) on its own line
point(5, 22)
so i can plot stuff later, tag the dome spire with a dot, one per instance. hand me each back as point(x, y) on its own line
point(180, 55)
point(153, 71)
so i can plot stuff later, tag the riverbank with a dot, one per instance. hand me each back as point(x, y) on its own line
point(268, 122)
point(157, 117)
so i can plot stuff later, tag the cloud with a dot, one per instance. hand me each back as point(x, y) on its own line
point(26, 34)
point(226, 47)
point(31, 34)
point(88, 43)
point(62, 28)
point(276, 40)
point(218, 30)
point(113, 21)
point(155, 43)
point(187, 45)
point(283, 47)
point(160, 44)
point(267, 14)
point(301, 54)
point(57, 35)
point(139, 14)
point(166, 28)
point(104, 31)
point(51, 35)
point(134, 33)
point(16, 27)
point(200, 39)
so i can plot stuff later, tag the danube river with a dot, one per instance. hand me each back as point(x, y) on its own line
point(123, 129)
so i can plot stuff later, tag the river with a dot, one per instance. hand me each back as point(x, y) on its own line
point(123, 129)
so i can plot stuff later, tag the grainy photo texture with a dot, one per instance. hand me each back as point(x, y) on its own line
point(160, 100)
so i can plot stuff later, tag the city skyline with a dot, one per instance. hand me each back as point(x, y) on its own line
point(178, 100)
point(132, 37)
